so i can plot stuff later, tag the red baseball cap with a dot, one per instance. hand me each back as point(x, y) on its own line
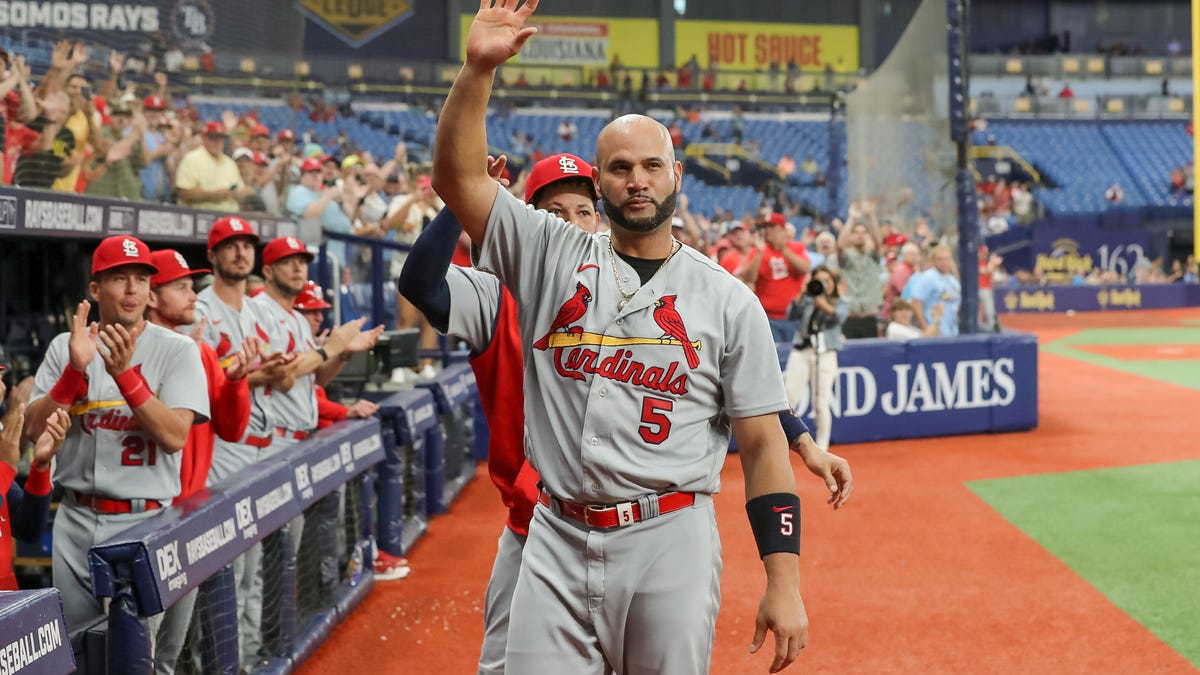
point(311, 298)
point(777, 219)
point(310, 164)
point(172, 266)
point(260, 130)
point(260, 158)
point(287, 135)
point(121, 250)
point(227, 228)
point(555, 168)
point(895, 239)
point(215, 128)
point(154, 102)
point(282, 247)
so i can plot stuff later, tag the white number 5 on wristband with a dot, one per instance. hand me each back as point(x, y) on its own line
point(785, 524)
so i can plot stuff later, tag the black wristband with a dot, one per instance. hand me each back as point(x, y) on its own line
point(775, 520)
point(324, 354)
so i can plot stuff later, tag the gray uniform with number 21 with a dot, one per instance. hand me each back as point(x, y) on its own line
point(108, 455)
point(618, 407)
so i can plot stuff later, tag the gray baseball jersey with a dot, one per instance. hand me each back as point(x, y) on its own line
point(296, 408)
point(106, 452)
point(474, 304)
point(625, 401)
point(225, 331)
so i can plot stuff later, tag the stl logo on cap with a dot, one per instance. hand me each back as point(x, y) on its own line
point(180, 259)
point(568, 165)
point(130, 248)
point(236, 225)
point(293, 244)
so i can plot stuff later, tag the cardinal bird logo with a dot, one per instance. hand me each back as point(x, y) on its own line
point(262, 334)
point(291, 344)
point(672, 325)
point(224, 345)
point(569, 313)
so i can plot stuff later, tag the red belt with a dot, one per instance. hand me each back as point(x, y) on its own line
point(103, 505)
point(298, 435)
point(258, 441)
point(603, 516)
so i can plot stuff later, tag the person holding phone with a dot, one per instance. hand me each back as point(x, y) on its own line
point(819, 314)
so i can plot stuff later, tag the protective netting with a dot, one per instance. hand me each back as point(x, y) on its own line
point(899, 151)
point(277, 588)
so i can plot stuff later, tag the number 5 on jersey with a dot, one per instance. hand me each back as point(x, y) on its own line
point(655, 427)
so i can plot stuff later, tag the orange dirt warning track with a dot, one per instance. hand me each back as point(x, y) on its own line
point(915, 575)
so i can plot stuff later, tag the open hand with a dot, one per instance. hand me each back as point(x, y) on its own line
point(51, 440)
point(495, 168)
point(832, 469)
point(361, 409)
point(82, 344)
point(499, 32)
point(781, 611)
point(119, 344)
point(10, 436)
point(243, 360)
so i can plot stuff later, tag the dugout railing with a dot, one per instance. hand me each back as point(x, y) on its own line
point(33, 633)
point(358, 484)
point(150, 567)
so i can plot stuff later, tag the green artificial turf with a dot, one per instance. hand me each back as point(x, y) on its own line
point(1185, 373)
point(1131, 532)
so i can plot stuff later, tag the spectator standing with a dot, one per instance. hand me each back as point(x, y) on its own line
point(937, 285)
point(775, 268)
point(117, 174)
point(43, 158)
point(160, 146)
point(988, 264)
point(65, 57)
point(19, 106)
point(731, 252)
point(567, 130)
point(328, 207)
point(207, 178)
point(411, 215)
point(248, 165)
point(902, 271)
point(859, 264)
point(813, 362)
point(824, 251)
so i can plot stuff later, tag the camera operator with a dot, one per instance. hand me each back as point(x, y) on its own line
point(819, 314)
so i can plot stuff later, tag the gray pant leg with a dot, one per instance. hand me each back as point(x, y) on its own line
point(498, 602)
point(172, 633)
point(555, 634)
point(73, 530)
point(229, 459)
point(662, 590)
point(247, 579)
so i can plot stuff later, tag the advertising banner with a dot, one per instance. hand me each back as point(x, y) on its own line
point(1061, 251)
point(56, 214)
point(734, 45)
point(583, 42)
point(176, 550)
point(931, 387)
point(1048, 299)
point(33, 634)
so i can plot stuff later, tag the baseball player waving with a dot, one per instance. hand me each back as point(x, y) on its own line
point(641, 357)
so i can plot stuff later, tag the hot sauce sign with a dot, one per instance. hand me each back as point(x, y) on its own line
point(755, 46)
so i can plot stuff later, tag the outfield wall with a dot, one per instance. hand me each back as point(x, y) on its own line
point(931, 387)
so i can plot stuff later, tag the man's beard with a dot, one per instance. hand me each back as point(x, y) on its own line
point(228, 274)
point(662, 214)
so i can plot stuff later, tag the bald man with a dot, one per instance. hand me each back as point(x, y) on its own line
point(641, 356)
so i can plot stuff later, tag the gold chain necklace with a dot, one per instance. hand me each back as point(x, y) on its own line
point(612, 259)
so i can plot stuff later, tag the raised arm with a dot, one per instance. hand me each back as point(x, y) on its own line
point(496, 35)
